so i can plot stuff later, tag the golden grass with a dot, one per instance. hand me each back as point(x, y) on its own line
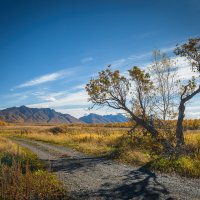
point(2, 123)
point(193, 138)
point(31, 185)
point(22, 176)
point(116, 143)
point(7, 145)
point(92, 143)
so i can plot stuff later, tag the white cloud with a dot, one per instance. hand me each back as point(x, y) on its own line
point(51, 99)
point(184, 69)
point(49, 96)
point(168, 49)
point(75, 103)
point(76, 98)
point(44, 79)
point(80, 112)
point(87, 59)
point(143, 59)
point(60, 101)
point(118, 63)
point(193, 110)
point(81, 86)
point(140, 56)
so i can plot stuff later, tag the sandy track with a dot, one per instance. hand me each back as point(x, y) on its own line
point(99, 178)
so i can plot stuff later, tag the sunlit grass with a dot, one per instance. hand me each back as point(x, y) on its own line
point(193, 138)
point(116, 143)
point(23, 176)
point(92, 143)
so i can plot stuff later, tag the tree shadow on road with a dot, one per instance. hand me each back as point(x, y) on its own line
point(137, 184)
point(134, 184)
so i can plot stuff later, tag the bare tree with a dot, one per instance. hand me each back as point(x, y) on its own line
point(164, 76)
point(191, 51)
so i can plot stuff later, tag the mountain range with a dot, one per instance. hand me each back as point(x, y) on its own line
point(25, 114)
point(103, 119)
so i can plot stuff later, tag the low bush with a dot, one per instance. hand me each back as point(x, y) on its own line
point(23, 176)
point(38, 184)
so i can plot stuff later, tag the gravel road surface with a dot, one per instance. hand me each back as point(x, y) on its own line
point(100, 178)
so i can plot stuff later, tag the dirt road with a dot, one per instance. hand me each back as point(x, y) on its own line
point(100, 178)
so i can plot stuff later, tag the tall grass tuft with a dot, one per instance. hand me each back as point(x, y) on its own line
point(29, 185)
point(23, 176)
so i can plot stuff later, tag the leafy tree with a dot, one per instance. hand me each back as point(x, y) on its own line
point(191, 51)
point(114, 90)
point(142, 97)
point(144, 100)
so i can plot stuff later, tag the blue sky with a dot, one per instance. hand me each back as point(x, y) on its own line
point(50, 49)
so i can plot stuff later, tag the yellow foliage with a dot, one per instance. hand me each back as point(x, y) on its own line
point(2, 123)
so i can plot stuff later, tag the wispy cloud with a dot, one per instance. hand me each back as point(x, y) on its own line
point(76, 98)
point(182, 64)
point(87, 59)
point(143, 59)
point(44, 79)
point(49, 96)
point(81, 86)
point(73, 98)
point(193, 111)
point(79, 112)
point(184, 68)
point(74, 103)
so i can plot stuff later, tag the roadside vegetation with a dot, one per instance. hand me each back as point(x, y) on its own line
point(152, 98)
point(138, 150)
point(23, 176)
point(156, 138)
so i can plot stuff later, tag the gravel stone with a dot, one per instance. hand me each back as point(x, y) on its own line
point(98, 178)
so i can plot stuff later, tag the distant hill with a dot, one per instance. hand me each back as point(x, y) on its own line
point(24, 114)
point(103, 119)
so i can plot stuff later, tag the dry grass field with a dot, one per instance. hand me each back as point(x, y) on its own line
point(117, 144)
point(23, 176)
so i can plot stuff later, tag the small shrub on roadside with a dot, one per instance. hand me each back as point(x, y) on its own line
point(23, 176)
point(38, 185)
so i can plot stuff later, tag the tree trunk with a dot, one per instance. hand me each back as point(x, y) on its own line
point(181, 115)
point(179, 125)
point(154, 133)
point(152, 130)
point(149, 127)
